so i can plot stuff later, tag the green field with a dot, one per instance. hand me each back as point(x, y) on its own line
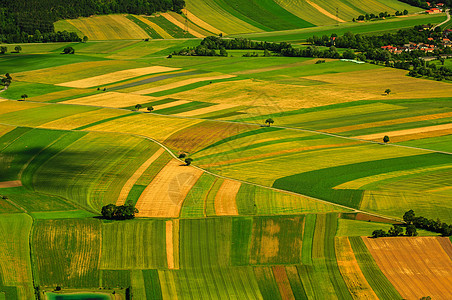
point(264, 211)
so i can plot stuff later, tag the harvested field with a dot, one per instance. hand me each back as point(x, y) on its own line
point(354, 279)
point(83, 119)
point(172, 243)
point(10, 184)
point(12, 106)
point(421, 268)
point(202, 24)
point(443, 128)
point(225, 204)
point(115, 76)
point(324, 11)
point(205, 110)
point(165, 195)
point(111, 99)
point(160, 31)
point(109, 27)
point(203, 134)
point(173, 20)
point(389, 122)
point(170, 104)
point(180, 83)
point(132, 180)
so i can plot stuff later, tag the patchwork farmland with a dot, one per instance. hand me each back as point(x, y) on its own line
point(260, 210)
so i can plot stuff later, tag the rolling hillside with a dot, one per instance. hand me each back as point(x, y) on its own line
point(212, 17)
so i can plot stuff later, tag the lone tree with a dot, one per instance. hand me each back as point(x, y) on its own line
point(85, 39)
point(269, 121)
point(386, 139)
point(387, 91)
point(24, 96)
point(138, 106)
point(68, 50)
point(3, 49)
point(18, 49)
point(188, 161)
point(150, 108)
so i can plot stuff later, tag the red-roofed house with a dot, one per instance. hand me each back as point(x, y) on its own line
point(433, 11)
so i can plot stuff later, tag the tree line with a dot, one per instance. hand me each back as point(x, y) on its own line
point(412, 223)
point(121, 212)
point(20, 19)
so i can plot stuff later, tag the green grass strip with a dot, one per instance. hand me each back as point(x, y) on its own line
point(115, 278)
point(149, 30)
point(104, 121)
point(148, 104)
point(152, 284)
point(245, 200)
point(210, 200)
point(308, 236)
point(241, 237)
point(296, 285)
point(377, 280)
point(193, 206)
point(10, 137)
point(189, 87)
point(330, 257)
point(134, 194)
point(72, 97)
point(267, 283)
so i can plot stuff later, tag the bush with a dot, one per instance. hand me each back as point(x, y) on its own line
point(122, 212)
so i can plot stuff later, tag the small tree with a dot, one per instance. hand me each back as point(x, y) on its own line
point(188, 161)
point(138, 106)
point(395, 230)
point(386, 139)
point(68, 50)
point(269, 121)
point(18, 48)
point(411, 230)
point(24, 96)
point(150, 108)
point(109, 211)
point(3, 49)
point(182, 155)
point(409, 217)
point(85, 39)
point(387, 91)
point(223, 52)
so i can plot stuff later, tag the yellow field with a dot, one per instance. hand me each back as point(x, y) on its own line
point(205, 110)
point(116, 76)
point(202, 24)
point(173, 20)
point(58, 95)
point(180, 83)
point(9, 184)
point(11, 106)
point(69, 72)
point(164, 196)
point(111, 99)
point(348, 266)
point(4, 129)
point(324, 11)
point(82, 119)
point(109, 27)
point(132, 180)
point(389, 122)
point(153, 126)
point(154, 26)
point(225, 204)
point(443, 128)
point(371, 84)
point(416, 266)
point(169, 244)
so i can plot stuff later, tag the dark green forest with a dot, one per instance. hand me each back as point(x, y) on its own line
point(23, 21)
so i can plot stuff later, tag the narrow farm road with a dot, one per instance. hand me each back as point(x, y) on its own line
point(447, 19)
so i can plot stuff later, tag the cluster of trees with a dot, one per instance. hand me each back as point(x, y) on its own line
point(423, 69)
point(428, 224)
point(418, 3)
point(395, 230)
point(412, 224)
point(6, 80)
point(381, 15)
point(200, 50)
point(23, 21)
point(121, 212)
